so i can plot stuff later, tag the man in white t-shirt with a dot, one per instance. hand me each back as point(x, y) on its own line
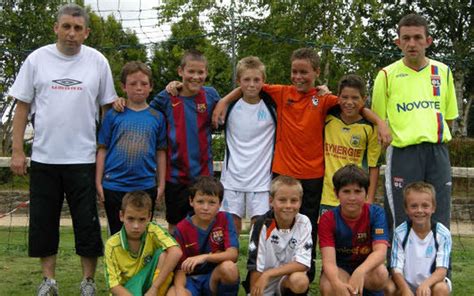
point(62, 85)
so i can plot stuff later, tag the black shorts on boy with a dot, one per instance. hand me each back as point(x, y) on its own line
point(177, 202)
point(113, 204)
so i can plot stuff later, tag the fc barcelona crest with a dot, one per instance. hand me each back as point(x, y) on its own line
point(217, 236)
point(435, 81)
point(361, 237)
point(355, 140)
point(201, 108)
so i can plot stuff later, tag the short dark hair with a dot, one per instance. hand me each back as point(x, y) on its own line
point(350, 174)
point(413, 20)
point(287, 181)
point(192, 55)
point(421, 187)
point(138, 200)
point(133, 67)
point(354, 81)
point(207, 185)
point(74, 10)
point(306, 53)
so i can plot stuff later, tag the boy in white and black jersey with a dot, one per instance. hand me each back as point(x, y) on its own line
point(280, 244)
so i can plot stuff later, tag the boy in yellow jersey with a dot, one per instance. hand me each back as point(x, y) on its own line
point(349, 138)
point(417, 97)
point(140, 258)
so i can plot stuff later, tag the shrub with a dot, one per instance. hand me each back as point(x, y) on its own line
point(461, 152)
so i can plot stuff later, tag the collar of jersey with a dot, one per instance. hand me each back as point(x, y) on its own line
point(124, 241)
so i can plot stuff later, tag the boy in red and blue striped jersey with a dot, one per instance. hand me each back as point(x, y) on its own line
point(210, 245)
point(353, 239)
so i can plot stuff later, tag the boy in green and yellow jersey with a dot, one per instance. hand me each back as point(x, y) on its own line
point(140, 258)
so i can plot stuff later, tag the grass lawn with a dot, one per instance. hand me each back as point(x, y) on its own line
point(20, 275)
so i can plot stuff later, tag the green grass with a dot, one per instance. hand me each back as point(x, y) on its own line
point(13, 183)
point(20, 275)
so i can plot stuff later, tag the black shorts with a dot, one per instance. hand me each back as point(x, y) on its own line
point(177, 202)
point(49, 184)
point(113, 204)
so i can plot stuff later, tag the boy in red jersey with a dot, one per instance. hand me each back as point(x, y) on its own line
point(210, 245)
point(353, 239)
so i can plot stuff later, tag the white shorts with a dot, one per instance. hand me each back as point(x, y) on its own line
point(274, 286)
point(446, 280)
point(246, 204)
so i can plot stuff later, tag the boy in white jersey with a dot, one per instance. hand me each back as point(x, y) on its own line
point(417, 96)
point(250, 135)
point(280, 244)
point(421, 248)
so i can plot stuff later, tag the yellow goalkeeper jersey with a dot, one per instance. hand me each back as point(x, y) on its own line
point(417, 103)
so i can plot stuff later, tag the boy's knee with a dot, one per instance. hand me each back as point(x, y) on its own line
point(325, 286)
point(162, 257)
point(228, 271)
point(298, 282)
point(377, 279)
point(440, 289)
point(171, 291)
point(390, 288)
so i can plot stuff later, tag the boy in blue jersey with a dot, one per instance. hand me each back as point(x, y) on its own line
point(131, 147)
point(421, 247)
point(139, 259)
point(353, 239)
point(209, 243)
point(188, 117)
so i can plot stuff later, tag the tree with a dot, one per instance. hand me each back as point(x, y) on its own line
point(26, 25)
point(452, 31)
point(117, 45)
point(187, 33)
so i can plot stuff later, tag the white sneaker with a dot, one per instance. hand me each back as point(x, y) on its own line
point(49, 287)
point(88, 287)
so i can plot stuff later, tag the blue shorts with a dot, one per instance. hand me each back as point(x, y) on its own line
point(199, 284)
point(350, 269)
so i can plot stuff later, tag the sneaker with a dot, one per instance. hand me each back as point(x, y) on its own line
point(48, 287)
point(88, 287)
